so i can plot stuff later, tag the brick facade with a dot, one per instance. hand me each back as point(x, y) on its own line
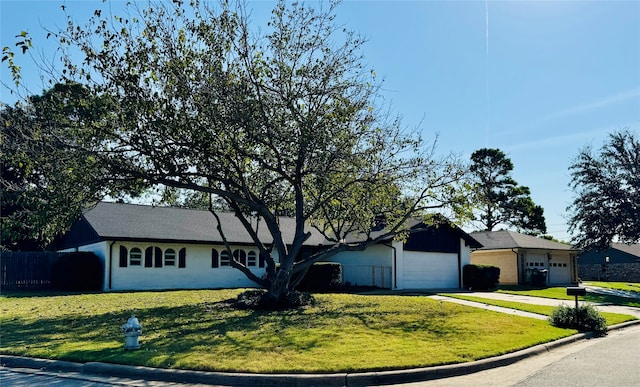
point(619, 272)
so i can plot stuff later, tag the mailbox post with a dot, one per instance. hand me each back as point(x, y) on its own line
point(576, 291)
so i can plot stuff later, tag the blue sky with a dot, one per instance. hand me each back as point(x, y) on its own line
point(538, 79)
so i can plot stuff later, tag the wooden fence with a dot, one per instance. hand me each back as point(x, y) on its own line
point(26, 270)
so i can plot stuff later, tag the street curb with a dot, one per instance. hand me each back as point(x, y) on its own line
point(268, 380)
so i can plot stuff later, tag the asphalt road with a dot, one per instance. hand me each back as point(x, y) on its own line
point(613, 361)
point(34, 378)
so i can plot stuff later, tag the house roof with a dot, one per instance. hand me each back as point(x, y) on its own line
point(505, 239)
point(117, 221)
point(629, 249)
point(132, 221)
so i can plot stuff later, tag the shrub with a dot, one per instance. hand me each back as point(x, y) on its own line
point(589, 319)
point(322, 277)
point(81, 271)
point(480, 277)
point(259, 299)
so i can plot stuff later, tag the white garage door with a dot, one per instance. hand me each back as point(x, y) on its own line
point(430, 270)
point(559, 272)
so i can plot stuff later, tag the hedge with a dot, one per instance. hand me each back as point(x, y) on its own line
point(81, 271)
point(322, 277)
point(480, 277)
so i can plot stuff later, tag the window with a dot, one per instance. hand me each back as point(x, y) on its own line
point(169, 257)
point(224, 258)
point(214, 258)
point(124, 257)
point(240, 256)
point(182, 258)
point(252, 258)
point(135, 257)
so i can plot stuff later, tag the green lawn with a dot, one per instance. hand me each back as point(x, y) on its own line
point(612, 318)
point(560, 293)
point(200, 330)
point(626, 286)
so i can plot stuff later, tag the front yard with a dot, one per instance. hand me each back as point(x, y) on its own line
point(200, 330)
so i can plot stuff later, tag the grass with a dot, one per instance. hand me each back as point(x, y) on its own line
point(560, 293)
point(612, 318)
point(626, 286)
point(200, 330)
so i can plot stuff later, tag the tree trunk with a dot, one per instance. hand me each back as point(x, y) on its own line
point(279, 289)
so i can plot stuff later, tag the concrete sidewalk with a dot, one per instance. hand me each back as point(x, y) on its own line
point(500, 309)
point(538, 301)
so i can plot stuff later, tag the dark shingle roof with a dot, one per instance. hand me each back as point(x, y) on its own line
point(117, 221)
point(504, 239)
point(131, 221)
point(629, 249)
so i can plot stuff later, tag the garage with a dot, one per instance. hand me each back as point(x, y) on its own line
point(424, 270)
point(559, 272)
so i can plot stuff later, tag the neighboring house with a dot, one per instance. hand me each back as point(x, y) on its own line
point(518, 255)
point(146, 247)
point(623, 263)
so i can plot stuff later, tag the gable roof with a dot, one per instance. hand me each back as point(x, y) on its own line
point(127, 222)
point(629, 249)
point(143, 222)
point(505, 239)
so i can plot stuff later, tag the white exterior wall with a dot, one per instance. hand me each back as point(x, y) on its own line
point(465, 259)
point(198, 273)
point(371, 267)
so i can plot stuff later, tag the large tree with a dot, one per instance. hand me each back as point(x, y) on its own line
point(45, 182)
point(497, 197)
point(288, 121)
point(606, 183)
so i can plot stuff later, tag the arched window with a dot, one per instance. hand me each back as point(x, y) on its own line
point(169, 257)
point(240, 256)
point(135, 257)
point(224, 258)
point(252, 258)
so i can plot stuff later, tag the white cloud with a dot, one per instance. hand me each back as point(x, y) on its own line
point(573, 141)
point(606, 101)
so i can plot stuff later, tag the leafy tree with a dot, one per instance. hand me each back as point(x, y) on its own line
point(606, 183)
point(283, 122)
point(48, 176)
point(498, 197)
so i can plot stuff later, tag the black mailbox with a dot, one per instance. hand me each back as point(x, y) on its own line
point(576, 291)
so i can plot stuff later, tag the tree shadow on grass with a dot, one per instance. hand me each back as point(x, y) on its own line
point(168, 334)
